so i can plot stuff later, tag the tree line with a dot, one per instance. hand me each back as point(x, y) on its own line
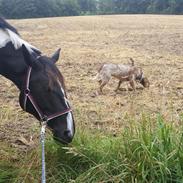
point(51, 8)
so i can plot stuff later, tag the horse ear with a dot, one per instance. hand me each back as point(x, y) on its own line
point(29, 59)
point(56, 55)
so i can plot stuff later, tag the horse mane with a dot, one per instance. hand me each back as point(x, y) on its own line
point(5, 25)
point(9, 31)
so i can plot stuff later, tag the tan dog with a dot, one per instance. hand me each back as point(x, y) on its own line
point(129, 73)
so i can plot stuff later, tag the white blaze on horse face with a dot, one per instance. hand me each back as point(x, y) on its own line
point(69, 118)
point(70, 123)
point(7, 36)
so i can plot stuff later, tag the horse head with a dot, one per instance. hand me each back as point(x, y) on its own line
point(47, 95)
point(41, 85)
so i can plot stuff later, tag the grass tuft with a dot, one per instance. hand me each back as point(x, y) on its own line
point(149, 152)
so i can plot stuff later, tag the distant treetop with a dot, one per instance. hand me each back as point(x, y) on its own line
point(51, 8)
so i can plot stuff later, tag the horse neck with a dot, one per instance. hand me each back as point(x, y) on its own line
point(12, 65)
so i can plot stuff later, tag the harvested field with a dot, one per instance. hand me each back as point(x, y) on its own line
point(154, 42)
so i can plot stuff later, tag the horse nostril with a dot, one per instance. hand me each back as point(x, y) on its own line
point(67, 133)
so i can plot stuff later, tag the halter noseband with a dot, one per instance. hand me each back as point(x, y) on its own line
point(27, 95)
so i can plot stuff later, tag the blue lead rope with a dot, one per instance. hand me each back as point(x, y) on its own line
point(43, 127)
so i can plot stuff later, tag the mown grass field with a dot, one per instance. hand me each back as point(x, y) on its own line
point(121, 137)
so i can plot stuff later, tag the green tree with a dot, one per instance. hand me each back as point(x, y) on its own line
point(49, 8)
point(87, 6)
point(68, 7)
point(178, 7)
point(158, 6)
point(105, 7)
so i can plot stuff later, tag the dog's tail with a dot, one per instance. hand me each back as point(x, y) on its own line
point(97, 77)
point(132, 61)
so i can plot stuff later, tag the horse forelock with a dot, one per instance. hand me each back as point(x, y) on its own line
point(55, 75)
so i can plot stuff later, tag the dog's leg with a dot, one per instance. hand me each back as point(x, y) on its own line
point(119, 84)
point(132, 84)
point(104, 81)
point(102, 86)
point(98, 91)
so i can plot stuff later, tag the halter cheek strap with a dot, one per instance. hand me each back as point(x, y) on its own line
point(28, 96)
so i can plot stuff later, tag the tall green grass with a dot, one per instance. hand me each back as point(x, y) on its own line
point(147, 151)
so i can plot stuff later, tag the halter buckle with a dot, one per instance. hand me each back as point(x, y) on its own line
point(44, 118)
point(26, 91)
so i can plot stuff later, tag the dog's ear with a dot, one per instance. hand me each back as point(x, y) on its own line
point(132, 61)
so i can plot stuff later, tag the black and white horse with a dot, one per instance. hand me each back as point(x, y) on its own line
point(41, 85)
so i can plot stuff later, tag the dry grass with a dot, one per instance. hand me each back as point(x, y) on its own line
point(155, 43)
